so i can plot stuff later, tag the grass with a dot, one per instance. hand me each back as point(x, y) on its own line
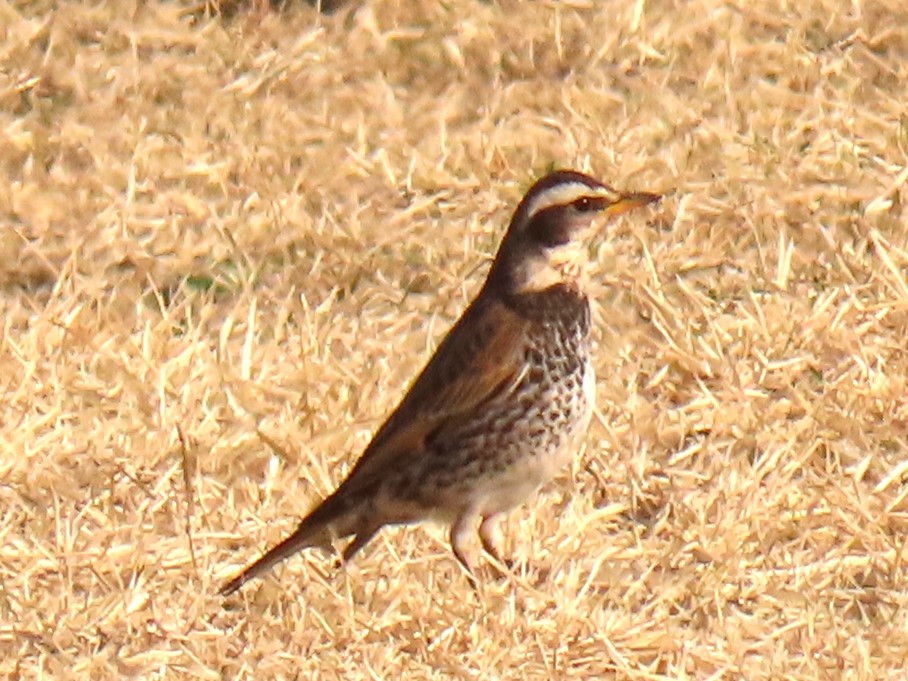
point(227, 245)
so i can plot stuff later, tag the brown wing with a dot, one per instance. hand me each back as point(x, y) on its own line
point(481, 357)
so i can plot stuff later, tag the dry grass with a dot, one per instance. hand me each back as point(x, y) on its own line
point(227, 245)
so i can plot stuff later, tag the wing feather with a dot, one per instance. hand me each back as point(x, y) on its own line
point(482, 357)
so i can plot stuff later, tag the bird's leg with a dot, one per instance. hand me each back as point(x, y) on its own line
point(461, 544)
point(491, 537)
point(492, 540)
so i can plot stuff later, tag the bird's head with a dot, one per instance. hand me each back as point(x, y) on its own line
point(547, 242)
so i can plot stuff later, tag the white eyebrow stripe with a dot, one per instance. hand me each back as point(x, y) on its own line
point(564, 194)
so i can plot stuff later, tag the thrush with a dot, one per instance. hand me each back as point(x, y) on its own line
point(502, 404)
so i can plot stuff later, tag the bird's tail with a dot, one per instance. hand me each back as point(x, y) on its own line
point(335, 518)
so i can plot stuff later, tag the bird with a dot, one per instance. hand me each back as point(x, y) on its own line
point(503, 403)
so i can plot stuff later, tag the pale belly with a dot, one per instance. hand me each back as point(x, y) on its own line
point(502, 468)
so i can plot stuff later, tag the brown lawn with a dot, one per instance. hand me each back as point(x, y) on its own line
point(227, 245)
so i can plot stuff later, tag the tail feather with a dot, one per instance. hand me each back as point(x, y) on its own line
point(332, 519)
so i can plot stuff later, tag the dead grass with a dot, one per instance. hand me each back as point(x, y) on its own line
point(227, 245)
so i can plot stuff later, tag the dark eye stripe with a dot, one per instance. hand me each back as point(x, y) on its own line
point(589, 203)
point(549, 227)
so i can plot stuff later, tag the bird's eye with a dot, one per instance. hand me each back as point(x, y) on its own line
point(585, 204)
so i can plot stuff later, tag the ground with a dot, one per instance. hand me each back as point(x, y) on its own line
point(229, 240)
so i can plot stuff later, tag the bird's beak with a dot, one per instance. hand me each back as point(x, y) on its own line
point(630, 201)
